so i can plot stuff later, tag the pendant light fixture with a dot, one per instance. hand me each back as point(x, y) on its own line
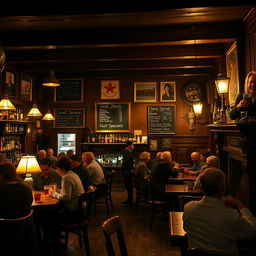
point(51, 80)
point(48, 116)
point(34, 111)
point(5, 104)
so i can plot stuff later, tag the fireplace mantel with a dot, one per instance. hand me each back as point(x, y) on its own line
point(235, 145)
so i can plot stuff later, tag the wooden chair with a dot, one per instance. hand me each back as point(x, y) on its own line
point(80, 225)
point(18, 236)
point(156, 206)
point(183, 199)
point(105, 192)
point(110, 227)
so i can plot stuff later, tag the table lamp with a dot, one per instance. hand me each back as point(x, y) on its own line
point(28, 165)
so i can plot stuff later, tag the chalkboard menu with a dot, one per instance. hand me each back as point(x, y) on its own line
point(67, 118)
point(69, 90)
point(112, 117)
point(161, 119)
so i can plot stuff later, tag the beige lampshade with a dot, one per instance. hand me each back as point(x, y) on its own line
point(197, 107)
point(48, 116)
point(34, 111)
point(5, 104)
point(28, 164)
point(51, 80)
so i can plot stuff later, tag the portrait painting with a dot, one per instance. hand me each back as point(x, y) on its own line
point(145, 92)
point(110, 89)
point(153, 145)
point(9, 84)
point(232, 73)
point(26, 87)
point(168, 91)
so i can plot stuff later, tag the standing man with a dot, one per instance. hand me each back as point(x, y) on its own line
point(127, 168)
point(50, 154)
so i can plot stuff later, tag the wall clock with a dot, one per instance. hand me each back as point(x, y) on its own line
point(192, 92)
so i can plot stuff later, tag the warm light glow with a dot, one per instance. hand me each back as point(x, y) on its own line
point(51, 80)
point(197, 107)
point(5, 104)
point(48, 116)
point(28, 164)
point(34, 111)
point(222, 83)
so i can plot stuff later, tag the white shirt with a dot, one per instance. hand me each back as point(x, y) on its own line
point(96, 173)
point(212, 227)
point(71, 189)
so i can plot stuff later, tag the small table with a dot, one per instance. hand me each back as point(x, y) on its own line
point(180, 189)
point(181, 178)
point(46, 200)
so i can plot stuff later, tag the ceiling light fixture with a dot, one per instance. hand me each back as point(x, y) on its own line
point(34, 111)
point(51, 80)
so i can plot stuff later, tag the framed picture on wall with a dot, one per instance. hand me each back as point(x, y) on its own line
point(232, 73)
point(153, 145)
point(168, 91)
point(145, 92)
point(192, 92)
point(110, 90)
point(9, 87)
point(25, 87)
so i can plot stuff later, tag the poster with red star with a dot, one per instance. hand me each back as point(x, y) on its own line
point(110, 89)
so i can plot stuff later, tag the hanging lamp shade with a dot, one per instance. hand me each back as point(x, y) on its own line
point(51, 80)
point(48, 116)
point(197, 107)
point(34, 111)
point(5, 104)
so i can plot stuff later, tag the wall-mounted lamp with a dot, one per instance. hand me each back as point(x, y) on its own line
point(34, 111)
point(222, 83)
point(51, 80)
point(197, 107)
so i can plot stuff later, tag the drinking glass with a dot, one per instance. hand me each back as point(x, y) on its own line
point(244, 110)
point(37, 196)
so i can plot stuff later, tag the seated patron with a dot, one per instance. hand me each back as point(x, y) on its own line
point(160, 174)
point(60, 155)
point(41, 154)
point(50, 154)
point(211, 225)
point(155, 160)
point(15, 197)
point(198, 164)
point(96, 174)
point(71, 187)
point(70, 153)
point(141, 172)
point(47, 176)
point(80, 170)
point(211, 161)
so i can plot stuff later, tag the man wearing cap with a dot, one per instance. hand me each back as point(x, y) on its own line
point(80, 170)
point(127, 168)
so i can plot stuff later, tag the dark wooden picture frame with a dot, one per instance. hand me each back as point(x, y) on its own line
point(69, 118)
point(116, 115)
point(70, 90)
point(9, 85)
point(25, 87)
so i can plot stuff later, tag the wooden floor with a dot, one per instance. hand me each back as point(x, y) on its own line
point(139, 239)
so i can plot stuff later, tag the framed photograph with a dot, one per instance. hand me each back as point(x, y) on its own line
point(168, 91)
point(192, 92)
point(9, 84)
point(153, 145)
point(145, 92)
point(232, 73)
point(70, 90)
point(25, 87)
point(110, 90)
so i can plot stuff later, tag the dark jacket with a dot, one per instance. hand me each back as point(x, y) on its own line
point(127, 165)
point(235, 114)
point(160, 174)
point(83, 174)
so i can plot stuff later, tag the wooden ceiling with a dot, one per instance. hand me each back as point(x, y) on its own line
point(170, 42)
